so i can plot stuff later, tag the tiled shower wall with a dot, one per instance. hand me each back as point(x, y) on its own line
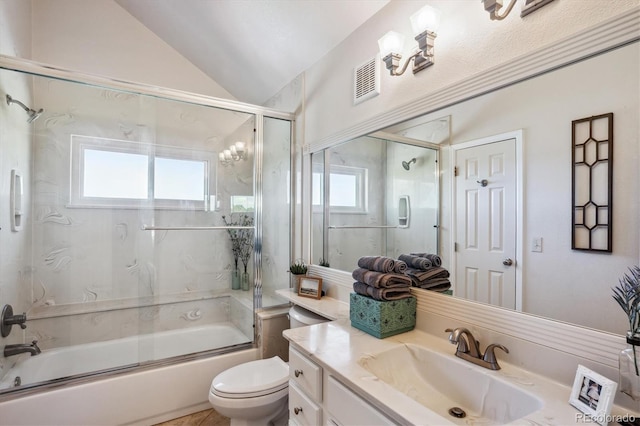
point(85, 255)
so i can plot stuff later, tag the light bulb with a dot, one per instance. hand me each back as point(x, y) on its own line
point(391, 42)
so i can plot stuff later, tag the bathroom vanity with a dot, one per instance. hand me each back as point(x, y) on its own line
point(344, 372)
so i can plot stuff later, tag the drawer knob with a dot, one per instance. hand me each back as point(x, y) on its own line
point(298, 373)
point(297, 410)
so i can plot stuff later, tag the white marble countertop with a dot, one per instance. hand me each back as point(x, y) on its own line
point(328, 307)
point(337, 347)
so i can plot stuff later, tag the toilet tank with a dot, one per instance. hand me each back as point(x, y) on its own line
point(300, 317)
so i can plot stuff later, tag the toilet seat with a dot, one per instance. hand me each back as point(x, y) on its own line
point(252, 379)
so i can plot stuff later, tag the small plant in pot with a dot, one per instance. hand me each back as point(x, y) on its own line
point(298, 268)
point(323, 262)
point(627, 295)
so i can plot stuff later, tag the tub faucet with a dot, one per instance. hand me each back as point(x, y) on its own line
point(11, 350)
point(469, 348)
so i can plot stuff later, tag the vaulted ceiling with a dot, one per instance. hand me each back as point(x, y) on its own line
point(252, 48)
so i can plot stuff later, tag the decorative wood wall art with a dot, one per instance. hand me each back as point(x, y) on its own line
point(592, 183)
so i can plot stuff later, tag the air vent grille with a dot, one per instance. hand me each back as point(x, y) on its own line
point(366, 80)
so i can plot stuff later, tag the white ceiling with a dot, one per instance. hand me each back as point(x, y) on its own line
point(252, 48)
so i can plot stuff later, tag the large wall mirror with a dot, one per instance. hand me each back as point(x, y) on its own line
point(529, 124)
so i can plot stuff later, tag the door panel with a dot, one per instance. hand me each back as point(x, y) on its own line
point(486, 223)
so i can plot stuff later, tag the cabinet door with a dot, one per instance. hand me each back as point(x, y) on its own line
point(306, 374)
point(302, 410)
point(346, 408)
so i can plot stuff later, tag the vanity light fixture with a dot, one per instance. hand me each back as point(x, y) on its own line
point(424, 24)
point(494, 6)
point(235, 152)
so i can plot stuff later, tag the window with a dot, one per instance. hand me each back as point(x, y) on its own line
point(348, 188)
point(114, 173)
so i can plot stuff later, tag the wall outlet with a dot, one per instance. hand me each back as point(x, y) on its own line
point(536, 245)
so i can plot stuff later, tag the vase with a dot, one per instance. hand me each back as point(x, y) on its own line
point(235, 279)
point(629, 367)
point(244, 281)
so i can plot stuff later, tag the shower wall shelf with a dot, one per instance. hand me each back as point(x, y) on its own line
point(404, 211)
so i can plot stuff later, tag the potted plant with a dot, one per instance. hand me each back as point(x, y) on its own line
point(298, 268)
point(627, 295)
point(323, 262)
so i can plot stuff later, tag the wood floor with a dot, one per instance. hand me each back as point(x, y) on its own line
point(202, 418)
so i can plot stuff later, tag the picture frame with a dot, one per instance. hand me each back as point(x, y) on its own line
point(310, 287)
point(593, 394)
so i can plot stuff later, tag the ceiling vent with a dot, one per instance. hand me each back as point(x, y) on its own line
point(366, 80)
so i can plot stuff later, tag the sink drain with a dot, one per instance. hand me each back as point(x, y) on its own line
point(457, 412)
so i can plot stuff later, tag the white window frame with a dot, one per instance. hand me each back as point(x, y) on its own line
point(81, 143)
point(362, 193)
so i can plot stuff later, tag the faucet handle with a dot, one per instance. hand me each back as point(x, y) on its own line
point(490, 356)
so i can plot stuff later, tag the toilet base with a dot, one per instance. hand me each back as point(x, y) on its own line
point(282, 419)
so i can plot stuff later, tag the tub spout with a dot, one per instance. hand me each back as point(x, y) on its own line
point(11, 350)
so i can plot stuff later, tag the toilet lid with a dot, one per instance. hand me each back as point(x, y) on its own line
point(254, 378)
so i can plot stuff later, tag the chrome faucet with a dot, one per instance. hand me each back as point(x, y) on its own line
point(32, 348)
point(469, 348)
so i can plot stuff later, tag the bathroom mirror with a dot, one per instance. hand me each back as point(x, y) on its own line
point(378, 194)
point(554, 281)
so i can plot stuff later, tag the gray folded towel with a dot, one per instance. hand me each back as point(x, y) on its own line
point(434, 258)
point(383, 294)
point(415, 261)
point(377, 263)
point(438, 284)
point(421, 275)
point(400, 267)
point(379, 279)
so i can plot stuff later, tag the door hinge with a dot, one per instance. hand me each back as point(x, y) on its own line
point(455, 247)
point(455, 171)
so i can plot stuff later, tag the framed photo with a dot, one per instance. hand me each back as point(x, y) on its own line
point(593, 394)
point(310, 287)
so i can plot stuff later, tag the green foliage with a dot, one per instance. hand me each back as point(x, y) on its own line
point(323, 262)
point(627, 294)
point(298, 268)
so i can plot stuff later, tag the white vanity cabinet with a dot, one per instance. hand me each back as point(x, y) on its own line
point(305, 390)
point(315, 395)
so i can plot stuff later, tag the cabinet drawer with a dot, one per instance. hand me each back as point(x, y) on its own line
point(305, 374)
point(346, 408)
point(302, 410)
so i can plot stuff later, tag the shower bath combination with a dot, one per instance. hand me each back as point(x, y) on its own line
point(32, 113)
point(407, 164)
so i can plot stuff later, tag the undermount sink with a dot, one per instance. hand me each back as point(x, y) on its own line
point(441, 382)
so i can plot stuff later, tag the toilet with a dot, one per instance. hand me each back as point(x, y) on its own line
point(256, 393)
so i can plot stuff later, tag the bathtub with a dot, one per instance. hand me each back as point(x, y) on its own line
point(146, 396)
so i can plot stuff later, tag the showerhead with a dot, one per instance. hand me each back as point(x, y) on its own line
point(407, 164)
point(32, 113)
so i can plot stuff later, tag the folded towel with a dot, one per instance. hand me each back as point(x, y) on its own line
point(379, 279)
point(395, 293)
point(438, 284)
point(400, 267)
point(377, 263)
point(415, 261)
point(420, 275)
point(434, 258)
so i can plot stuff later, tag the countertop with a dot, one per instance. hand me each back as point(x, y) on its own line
point(328, 307)
point(337, 347)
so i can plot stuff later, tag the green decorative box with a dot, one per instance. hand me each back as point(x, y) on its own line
point(382, 318)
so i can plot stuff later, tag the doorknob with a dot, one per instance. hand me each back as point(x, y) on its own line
point(507, 262)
